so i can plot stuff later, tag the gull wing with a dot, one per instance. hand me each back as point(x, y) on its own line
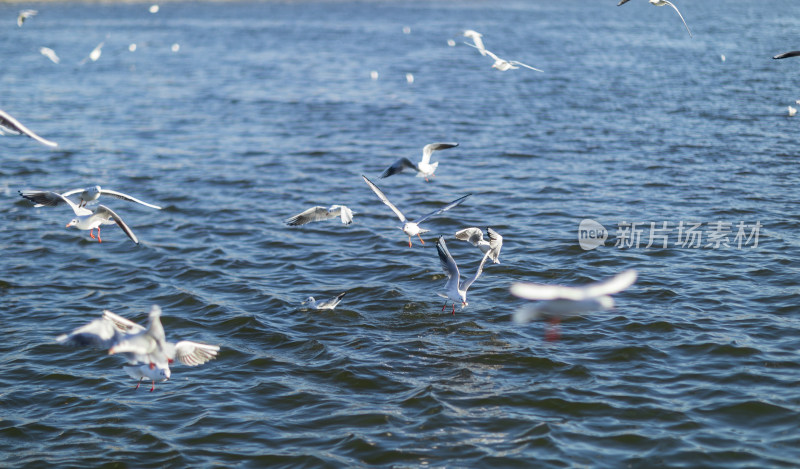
point(679, 14)
point(533, 291)
point(443, 209)
point(52, 199)
point(381, 196)
point(476, 38)
point(103, 211)
point(469, 282)
point(193, 353)
point(448, 263)
point(524, 65)
point(472, 235)
point(16, 127)
point(313, 214)
point(343, 212)
point(491, 54)
point(398, 167)
point(615, 284)
point(428, 150)
point(101, 333)
point(622, 2)
point(495, 244)
point(124, 325)
point(786, 55)
point(120, 195)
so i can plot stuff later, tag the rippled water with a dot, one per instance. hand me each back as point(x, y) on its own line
point(268, 108)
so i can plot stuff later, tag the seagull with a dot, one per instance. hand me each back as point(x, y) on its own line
point(786, 55)
point(12, 126)
point(454, 290)
point(321, 213)
point(143, 347)
point(557, 302)
point(50, 54)
point(24, 15)
point(325, 304)
point(476, 39)
point(475, 237)
point(411, 228)
point(84, 219)
point(87, 195)
point(95, 54)
point(661, 3)
point(424, 168)
point(503, 64)
point(792, 111)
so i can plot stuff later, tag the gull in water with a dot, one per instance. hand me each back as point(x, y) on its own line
point(786, 55)
point(84, 219)
point(89, 194)
point(661, 3)
point(424, 168)
point(50, 54)
point(503, 64)
point(476, 39)
point(455, 290)
point(24, 15)
point(12, 126)
point(475, 237)
point(557, 302)
point(321, 213)
point(411, 228)
point(330, 303)
point(143, 347)
point(792, 111)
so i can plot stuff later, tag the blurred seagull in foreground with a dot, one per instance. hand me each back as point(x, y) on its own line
point(557, 302)
point(321, 213)
point(84, 219)
point(424, 168)
point(12, 126)
point(476, 39)
point(89, 194)
point(24, 15)
point(475, 237)
point(411, 228)
point(146, 348)
point(455, 290)
point(786, 55)
point(50, 54)
point(324, 304)
point(503, 64)
point(661, 3)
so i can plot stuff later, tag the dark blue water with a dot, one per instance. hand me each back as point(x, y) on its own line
point(267, 109)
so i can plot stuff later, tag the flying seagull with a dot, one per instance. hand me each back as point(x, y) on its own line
point(455, 290)
point(24, 15)
point(411, 228)
point(475, 237)
point(321, 213)
point(330, 303)
point(50, 54)
point(557, 302)
point(12, 126)
point(424, 168)
point(661, 3)
point(476, 40)
point(84, 219)
point(503, 64)
point(87, 195)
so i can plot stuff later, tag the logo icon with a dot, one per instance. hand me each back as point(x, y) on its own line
point(591, 234)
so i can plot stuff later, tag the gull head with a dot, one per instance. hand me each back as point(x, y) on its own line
point(73, 222)
point(164, 373)
point(605, 302)
point(310, 299)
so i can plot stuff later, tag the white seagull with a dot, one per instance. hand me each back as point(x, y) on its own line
point(12, 126)
point(503, 64)
point(94, 55)
point(661, 3)
point(24, 15)
point(141, 346)
point(140, 371)
point(411, 228)
point(89, 194)
point(476, 39)
point(50, 54)
point(84, 219)
point(454, 289)
point(475, 237)
point(321, 213)
point(557, 302)
point(324, 304)
point(424, 168)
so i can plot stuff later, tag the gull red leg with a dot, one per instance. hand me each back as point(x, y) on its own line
point(154, 386)
point(138, 383)
point(409, 241)
point(420, 238)
point(91, 233)
point(444, 305)
point(454, 309)
point(553, 330)
point(98, 235)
